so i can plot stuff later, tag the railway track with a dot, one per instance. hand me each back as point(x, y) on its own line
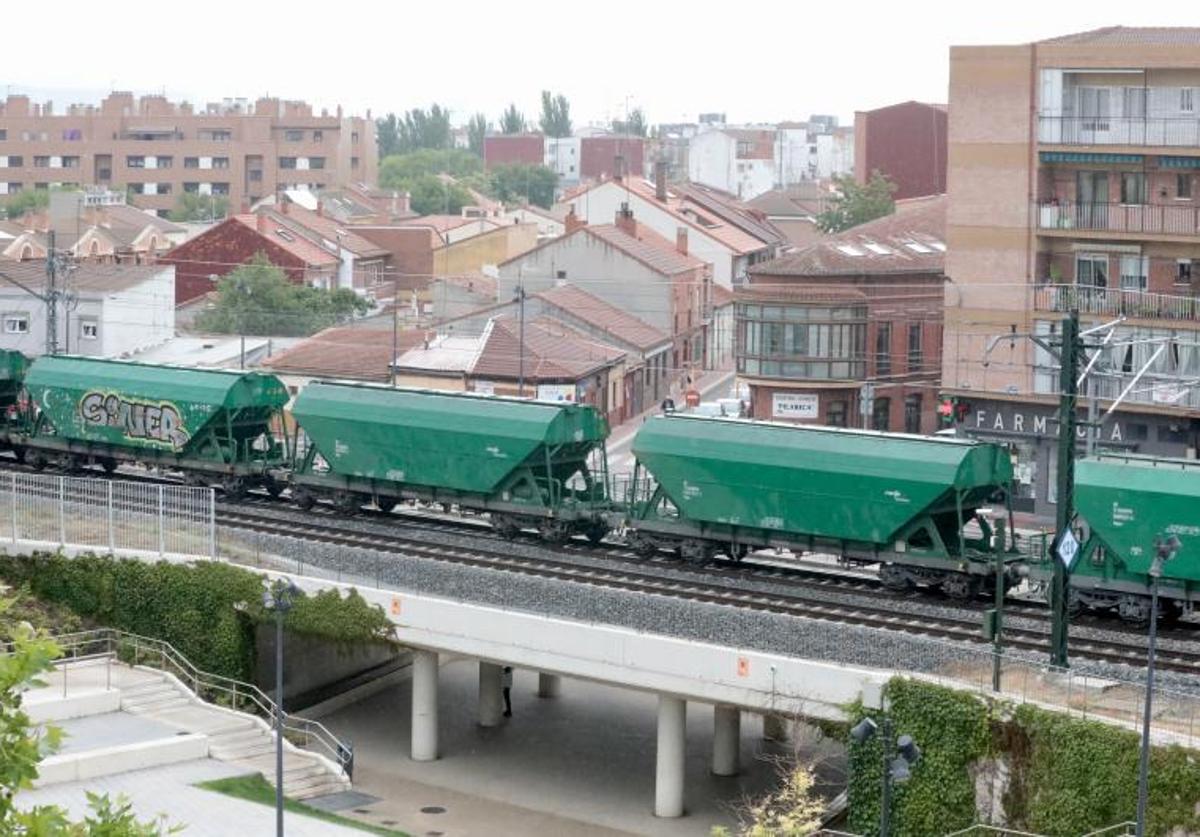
point(800, 602)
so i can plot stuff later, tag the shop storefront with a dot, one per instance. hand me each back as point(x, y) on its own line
point(1031, 433)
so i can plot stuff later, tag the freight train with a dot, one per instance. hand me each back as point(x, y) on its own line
point(707, 488)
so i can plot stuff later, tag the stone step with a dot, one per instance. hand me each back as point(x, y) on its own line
point(293, 764)
point(317, 784)
point(241, 735)
point(163, 704)
point(241, 752)
point(152, 687)
point(332, 786)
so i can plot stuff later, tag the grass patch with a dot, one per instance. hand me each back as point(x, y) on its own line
point(257, 789)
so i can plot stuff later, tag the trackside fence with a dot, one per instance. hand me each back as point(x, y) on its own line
point(53, 512)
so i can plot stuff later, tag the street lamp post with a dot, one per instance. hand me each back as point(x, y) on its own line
point(1164, 551)
point(899, 756)
point(279, 597)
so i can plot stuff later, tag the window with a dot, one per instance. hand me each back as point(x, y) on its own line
point(1136, 432)
point(1133, 187)
point(744, 148)
point(1183, 186)
point(293, 135)
point(72, 134)
point(220, 189)
point(881, 412)
point(318, 136)
point(3, 134)
point(287, 162)
point(835, 414)
point(16, 161)
point(1094, 108)
point(914, 347)
point(191, 188)
point(164, 189)
point(354, 137)
point(1091, 270)
point(316, 162)
point(41, 162)
point(1184, 270)
point(220, 162)
point(912, 414)
point(89, 330)
point(255, 176)
point(215, 135)
point(1134, 272)
point(16, 323)
point(135, 162)
point(353, 162)
point(1133, 103)
point(191, 162)
point(883, 349)
point(1187, 100)
point(70, 162)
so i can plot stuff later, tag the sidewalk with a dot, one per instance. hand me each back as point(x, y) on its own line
point(620, 459)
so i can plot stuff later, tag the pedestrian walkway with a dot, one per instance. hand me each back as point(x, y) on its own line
point(577, 765)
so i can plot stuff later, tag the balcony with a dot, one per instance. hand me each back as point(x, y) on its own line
point(1139, 219)
point(1155, 131)
point(1116, 302)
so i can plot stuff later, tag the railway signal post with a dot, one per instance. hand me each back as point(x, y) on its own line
point(1064, 505)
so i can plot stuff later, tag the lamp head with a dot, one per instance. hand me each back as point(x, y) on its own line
point(863, 730)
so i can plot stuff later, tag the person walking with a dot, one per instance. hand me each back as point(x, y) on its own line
point(507, 684)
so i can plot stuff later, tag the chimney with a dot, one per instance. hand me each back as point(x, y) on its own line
point(320, 208)
point(283, 202)
point(625, 222)
point(660, 181)
point(262, 222)
point(681, 240)
point(245, 208)
point(618, 167)
point(573, 222)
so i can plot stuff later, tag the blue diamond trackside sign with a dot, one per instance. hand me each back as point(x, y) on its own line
point(1068, 548)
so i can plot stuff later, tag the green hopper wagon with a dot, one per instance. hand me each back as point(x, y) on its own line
point(708, 484)
point(528, 463)
point(1128, 503)
point(214, 425)
point(13, 368)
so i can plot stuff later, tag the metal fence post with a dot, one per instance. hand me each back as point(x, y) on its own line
point(14, 506)
point(212, 523)
point(161, 522)
point(62, 511)
point(112, 535)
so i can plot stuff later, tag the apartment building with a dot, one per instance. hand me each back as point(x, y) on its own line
point(1074, 183)
point(158, 149)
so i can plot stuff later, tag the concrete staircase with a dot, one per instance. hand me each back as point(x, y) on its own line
point(234, 737)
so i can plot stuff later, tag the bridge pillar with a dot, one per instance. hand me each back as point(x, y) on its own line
point(727, 740)
point(775, 727)
point(491, 704)
point(424, 705)
point(549, 685)
point(672, 741)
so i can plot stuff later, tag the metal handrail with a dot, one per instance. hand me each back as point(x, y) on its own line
point(200, 681)
point(980, 828)
point(1121, 828)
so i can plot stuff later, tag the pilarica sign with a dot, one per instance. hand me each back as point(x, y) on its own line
point(150, 421)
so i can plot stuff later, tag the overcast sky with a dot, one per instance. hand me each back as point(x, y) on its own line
point(755, 61)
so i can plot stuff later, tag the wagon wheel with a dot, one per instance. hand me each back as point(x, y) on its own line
point(19, 454)
point(195, 479)
point(894, 578)
point(346, 502)
point(596, 532)
point(695, 551)
point(737, 551)
point(38, 461)
point(554, 531)
point(272, 486)
point(108, 464)
point(505, 526)
point(386, 504)
point(642, 547)
point(303, 498)
point(961, 586)
point(234, 487)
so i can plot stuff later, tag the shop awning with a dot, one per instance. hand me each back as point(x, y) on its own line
point(1179, 162)
point(1087, 157)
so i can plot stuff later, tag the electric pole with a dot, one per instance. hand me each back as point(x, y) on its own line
point(51, 296)
point(1064, 502)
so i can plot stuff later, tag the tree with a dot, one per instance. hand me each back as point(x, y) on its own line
point(433, 195)
point(556, 115)
point(191, 206)
point(520, 183)
point(477, 129)
point(399, 170)
point(27, 200)
point(793, 810)
point(634, 126)
point(512, 121)
point(387, 135)
point(257, 298)
point(854, 204)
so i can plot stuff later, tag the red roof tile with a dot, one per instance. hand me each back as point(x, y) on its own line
point(354, 352)
point(648, 247)
point(621, 325)
point(553, 351)
point(299, 246)
point(329, 229)
point(1132, 36)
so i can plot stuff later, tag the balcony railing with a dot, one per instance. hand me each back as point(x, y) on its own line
point(1148, 218)
point(1113, 302)
point(1180, 131)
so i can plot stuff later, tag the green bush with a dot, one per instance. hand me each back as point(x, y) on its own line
point(207, 611)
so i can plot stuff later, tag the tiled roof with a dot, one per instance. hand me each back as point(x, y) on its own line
point(553, 351)
point(648, 247)
point(299, 246)
point(798, 200)
point(621, 325)
point(328, 229)
point(361, 354)
point(721, 295)
point(86, 277)
point(910, 240)
point(1132, 36)
point(131, 216)
point(759, 291)
point(731, 210)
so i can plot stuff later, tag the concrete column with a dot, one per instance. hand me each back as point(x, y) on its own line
point(491, 702)
point(727, 740)
point(424, 705)
point(549, 685)
point(672, 739)
point(775, 727)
